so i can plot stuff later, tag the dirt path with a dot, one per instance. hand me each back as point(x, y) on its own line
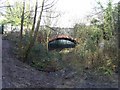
point(19, 75)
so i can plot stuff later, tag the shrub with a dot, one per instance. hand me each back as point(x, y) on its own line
point(43, 59)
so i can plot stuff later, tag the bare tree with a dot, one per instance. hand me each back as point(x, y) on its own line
point(35, 30)
point(33, 27)
point(21, 30)
point(32, 40)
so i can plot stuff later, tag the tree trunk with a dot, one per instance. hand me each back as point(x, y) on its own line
point(33, 26)
point(47, 43)
point(2, 28)
point(35, 35)
point(31, 35)
point(21, 30)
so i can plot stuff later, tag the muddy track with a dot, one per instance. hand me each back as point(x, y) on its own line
point(20, 75)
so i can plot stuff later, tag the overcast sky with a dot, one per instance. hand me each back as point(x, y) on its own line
point(73, 11)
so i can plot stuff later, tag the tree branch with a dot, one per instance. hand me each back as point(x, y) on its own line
point(6, 6)
point(48, 4)
point(53, 16)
